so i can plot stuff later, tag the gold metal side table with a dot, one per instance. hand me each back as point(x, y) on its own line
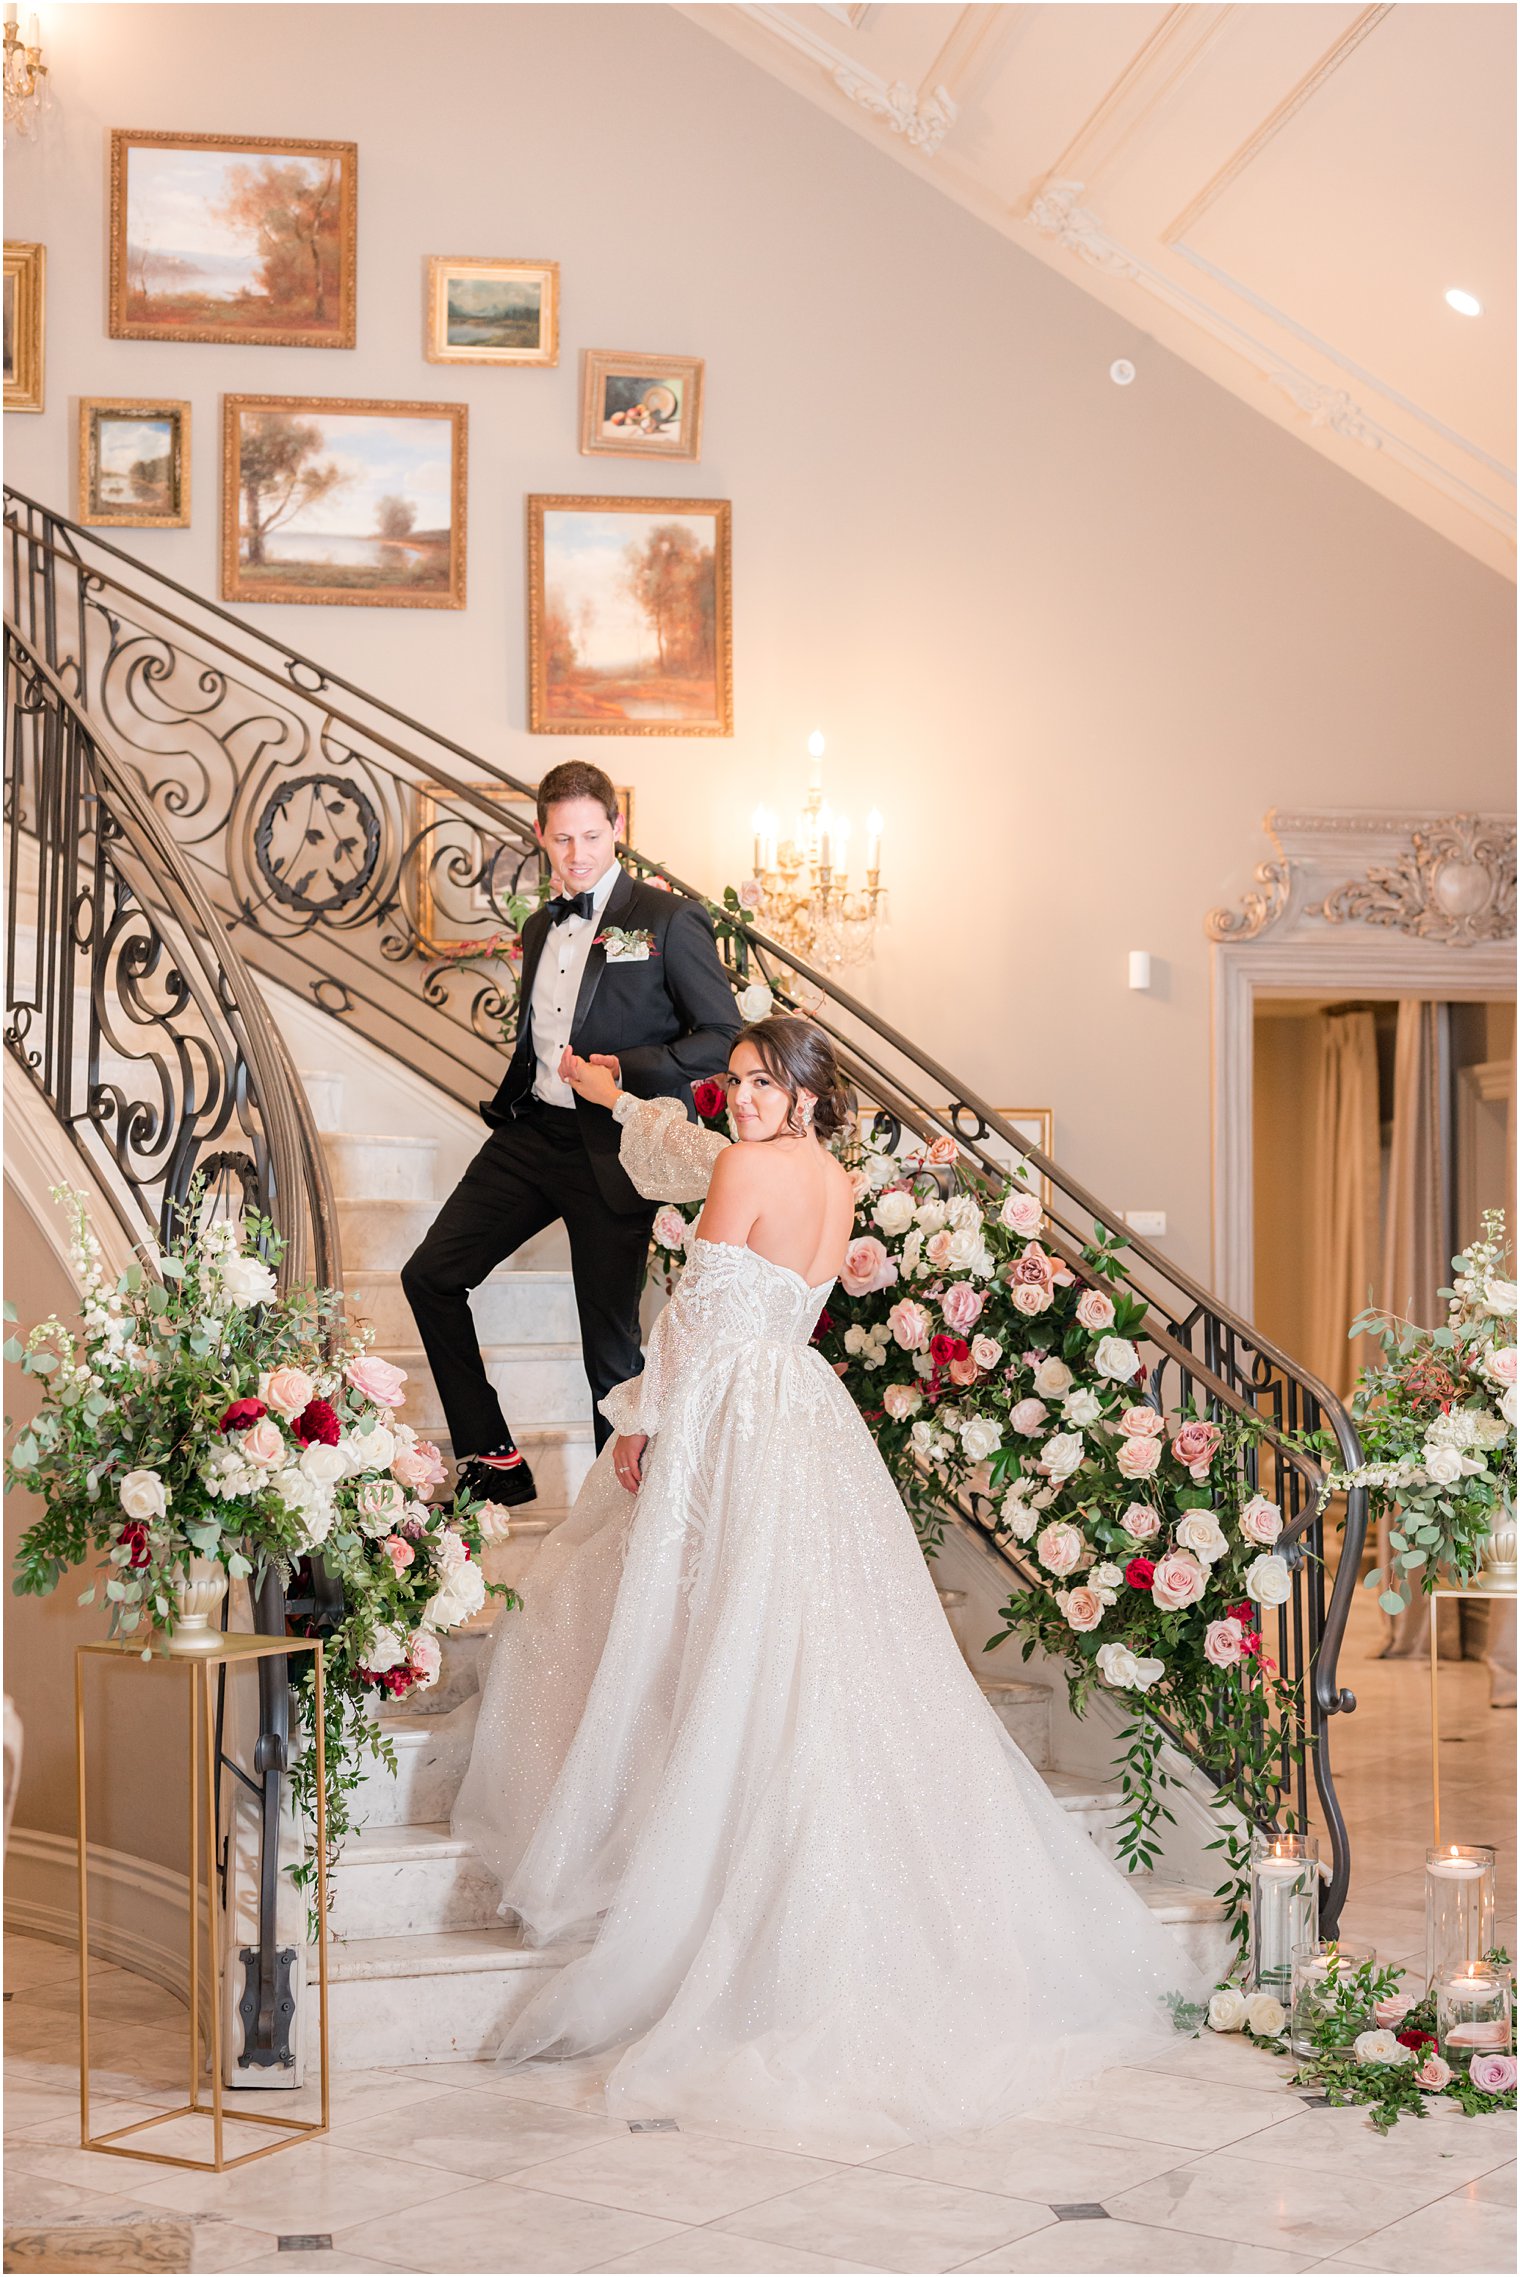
point(1481, 1597)
point(224, 1650)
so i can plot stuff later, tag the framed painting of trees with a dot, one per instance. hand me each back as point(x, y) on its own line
point(245, 239)
point(331, 501)
point(134, 463)
point(630, 619)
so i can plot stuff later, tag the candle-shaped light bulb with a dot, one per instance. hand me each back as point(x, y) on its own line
point(825, 836)
point(757, 825)
point(873, 839)
point(815, 753)
point(10, 15)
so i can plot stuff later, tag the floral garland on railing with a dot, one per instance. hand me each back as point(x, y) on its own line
point(987, 1365)
point(201, 1414)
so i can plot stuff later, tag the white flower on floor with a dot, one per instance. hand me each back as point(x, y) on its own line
point(1380, 2048)
point(1265, 2016)
point(1227, 2009)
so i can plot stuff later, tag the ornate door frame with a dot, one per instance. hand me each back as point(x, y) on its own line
point(1352, 903)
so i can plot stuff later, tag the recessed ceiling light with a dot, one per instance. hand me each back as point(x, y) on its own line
point(1465, 304)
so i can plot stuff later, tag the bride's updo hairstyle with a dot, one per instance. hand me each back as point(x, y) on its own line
point(801, 1058)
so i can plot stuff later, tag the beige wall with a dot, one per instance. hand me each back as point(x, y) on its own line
point(1073, 639)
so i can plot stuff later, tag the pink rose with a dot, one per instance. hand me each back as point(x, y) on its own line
point(1140, 1522)
point(1060, 1548)
point(1083, 1608)
point(1195, 1445)
point(1139, 1457)
point(289, 1391)
point(1032, 1268)
point(867, 1267)
point(425, 1659)
point(1501, 1366)
point(398, 1551)
point(1027, 1416)
point(1391, 2013)
point(1142, 1423)
point(419, 1468)
point(964, 1372)
point(494, 1521)
point(1433, 2075)
point(263, 1443)
point(910, 1325)
point(1179, 1581)
point(939, 1245)
point(1030, 1298)
point(962, 1305)
point(1021, 1214)
point(1224, 1644)
point(1094, 1310)
point(376, 1379)
point(901, 1401)
point(985, 1351)
point(1261, 1521)
point(670, 1228)
point(1492, 2075)
point(941, 1151)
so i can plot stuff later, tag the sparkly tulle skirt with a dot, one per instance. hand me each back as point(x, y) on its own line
point(729, 1756)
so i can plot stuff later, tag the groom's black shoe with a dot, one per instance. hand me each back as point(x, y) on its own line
point(501, 1477)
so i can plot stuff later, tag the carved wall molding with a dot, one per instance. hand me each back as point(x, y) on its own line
point(1447, 878)
point(1057, 213)
point(923, 119)
point(1326, 406)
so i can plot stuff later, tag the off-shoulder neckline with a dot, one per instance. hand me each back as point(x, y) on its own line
point(813, 1288)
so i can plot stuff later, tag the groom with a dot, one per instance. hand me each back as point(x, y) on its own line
point(610, 968)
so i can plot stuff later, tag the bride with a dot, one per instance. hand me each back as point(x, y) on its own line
point(730, 1740)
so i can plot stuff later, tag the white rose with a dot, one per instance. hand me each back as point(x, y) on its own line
point(1052, 1378)
point(963, 1211)
point(894, 1213)
point(1261, 1521)
point(1380, 2048)
point(1082, 1407)
point(1200, 1532)
point(324, 1465)
point(1117, 1665)
point(1062, 1454)
point(247, 1281)
point(1020, 1517)
point(1457, 1428)
point(316, 1525)
point(1146, 1673)
point(1106, 1576)
point(932, 1216)
point(385, 1651)
point(369, 1450)
point(756, 1002)
point(967, 1252)
point(462, 1595)
point(1117, 1359)
point(1443, 1465)
point(1268, 1581)
point(1227, 2009)
point(143, 1494)
point(980, 1438)
point(1500, 1298)
point(1509, 1405)
point(450, 1551)
point(1264, 2015)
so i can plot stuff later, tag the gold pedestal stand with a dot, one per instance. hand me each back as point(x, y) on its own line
point(215, 1650)
point(1481, 1597)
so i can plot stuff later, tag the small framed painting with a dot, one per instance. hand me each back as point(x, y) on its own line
point(327, 500)
point(491, 312)
point(647, 407)
point(249, 240)
point(464, 874)
point(134, 463)
point(25, 294)
point(630, 621)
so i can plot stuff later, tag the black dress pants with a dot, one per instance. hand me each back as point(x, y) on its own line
point(530, 1172)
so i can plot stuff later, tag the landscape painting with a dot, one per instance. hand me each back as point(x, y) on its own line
point(642, 406)
point(330, 501)
point(491, 312)
point(134, 463)
point(629, 616)
point(248, 240)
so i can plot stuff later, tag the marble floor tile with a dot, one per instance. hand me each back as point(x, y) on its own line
point(485, 2136)
point(1027, 2158)
point(1497, 2187)
point(889, 2221)
point(575, 2085)
point(1445, 2145)
point(32, 1961)
point(675, 2177)
point(28, 2106)
point(502, 2230)
point(713, 2253)
point(1295, 2210)
point(337, 2263)
point(115, 1998)
point(321, 2188)
point(354, 2095)
point(1457, 2234)
point(1158, 2107)
point(1127, 2249)
point(1231, 2058)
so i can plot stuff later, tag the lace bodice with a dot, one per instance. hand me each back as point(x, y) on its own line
point(728, 1300)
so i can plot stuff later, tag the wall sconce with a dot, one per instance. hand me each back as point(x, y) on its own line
point(28, 95)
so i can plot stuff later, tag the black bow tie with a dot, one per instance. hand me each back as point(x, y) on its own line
point(570, 905)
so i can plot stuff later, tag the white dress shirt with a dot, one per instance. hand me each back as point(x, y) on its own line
point(557, 984)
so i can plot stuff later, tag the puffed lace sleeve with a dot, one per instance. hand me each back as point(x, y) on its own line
point(668, 1158)
point(678, 1341)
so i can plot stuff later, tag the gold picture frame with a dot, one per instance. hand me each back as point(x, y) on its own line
point(110, 495)
point(445, 834)
point(25, 305)
point(388, 562)
point(311, 271)
point(517, 324)
point(641, 407)
point(590, 595)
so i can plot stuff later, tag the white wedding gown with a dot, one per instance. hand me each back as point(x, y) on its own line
point(730, 1740)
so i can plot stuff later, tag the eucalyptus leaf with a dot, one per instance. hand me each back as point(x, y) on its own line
point(1391, 1602)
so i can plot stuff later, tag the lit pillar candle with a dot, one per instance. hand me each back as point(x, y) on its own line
point(1472, 2014)
point(1459, 1907)
point(1284, 1907)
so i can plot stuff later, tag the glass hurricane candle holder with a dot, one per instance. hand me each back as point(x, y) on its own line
point(1459, 1907)
point(1320, 1970)
point(1472, 2013)
point(1284, 1907)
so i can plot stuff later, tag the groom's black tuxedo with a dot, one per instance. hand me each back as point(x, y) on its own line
point(668, 1019)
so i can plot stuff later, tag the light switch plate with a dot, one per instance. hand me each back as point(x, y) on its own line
point(1149, 1222)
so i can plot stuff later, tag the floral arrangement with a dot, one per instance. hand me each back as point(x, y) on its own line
point(985, 1363)
point(1373, 2044)
point(1437, 1419)
point(199, 1414)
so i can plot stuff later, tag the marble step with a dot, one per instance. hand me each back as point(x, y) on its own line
point(430, 1998)
point(409, 1881)
point(1024, 1712)
point(431, 1751)
point(1095, 1804)
point(324, 1092)
point(365, 1166)
point(511, 1307)
point(381, 1235)
point(1198, 1920)
point(538, 1383)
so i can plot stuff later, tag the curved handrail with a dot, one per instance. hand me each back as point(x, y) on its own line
point(247, 745)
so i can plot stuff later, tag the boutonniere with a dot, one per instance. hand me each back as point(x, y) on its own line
point(626, 944)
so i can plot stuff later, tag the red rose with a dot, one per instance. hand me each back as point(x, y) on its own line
point(1244, 1613)
point(134, 1536)
point(241, 1414)
point(944, 1349)
point(1140, 1573)
point(1414, 2039)
point(317, 1421)
point(711, 1099)
point(392, 1680)
point(824, 1328)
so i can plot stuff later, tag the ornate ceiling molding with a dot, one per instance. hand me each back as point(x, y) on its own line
point(1447, 879)
point(923, 119)
point(1332, 407)
point(1056, 213)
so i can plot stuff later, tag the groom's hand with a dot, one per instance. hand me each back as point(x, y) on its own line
point(609, 1061)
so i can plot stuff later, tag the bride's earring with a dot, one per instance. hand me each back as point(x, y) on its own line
point(800, 1121)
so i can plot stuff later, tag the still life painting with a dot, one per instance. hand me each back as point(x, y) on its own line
point(331, 501)
point(242, 239)
point(491, 312)
point(629, 616)
point(642, 406)
point(134, 463)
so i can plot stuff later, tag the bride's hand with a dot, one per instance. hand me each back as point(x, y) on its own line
point(628, 1459)
point(593, 1079)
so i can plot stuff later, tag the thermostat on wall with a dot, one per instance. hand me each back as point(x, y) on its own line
point(1146, 1221)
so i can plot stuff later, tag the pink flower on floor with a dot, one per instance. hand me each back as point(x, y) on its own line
point(376, 1379)
point(1492, 2075)
point(1433, 2075)
point(1390, 2013)
point(399, 1552)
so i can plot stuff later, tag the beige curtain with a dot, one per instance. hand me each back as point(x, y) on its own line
point(1343, 1228)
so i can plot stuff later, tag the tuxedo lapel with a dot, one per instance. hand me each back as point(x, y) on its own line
point(618, 903)
point(534, 934)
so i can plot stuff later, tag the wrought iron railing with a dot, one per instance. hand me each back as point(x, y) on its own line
point(355, 853)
